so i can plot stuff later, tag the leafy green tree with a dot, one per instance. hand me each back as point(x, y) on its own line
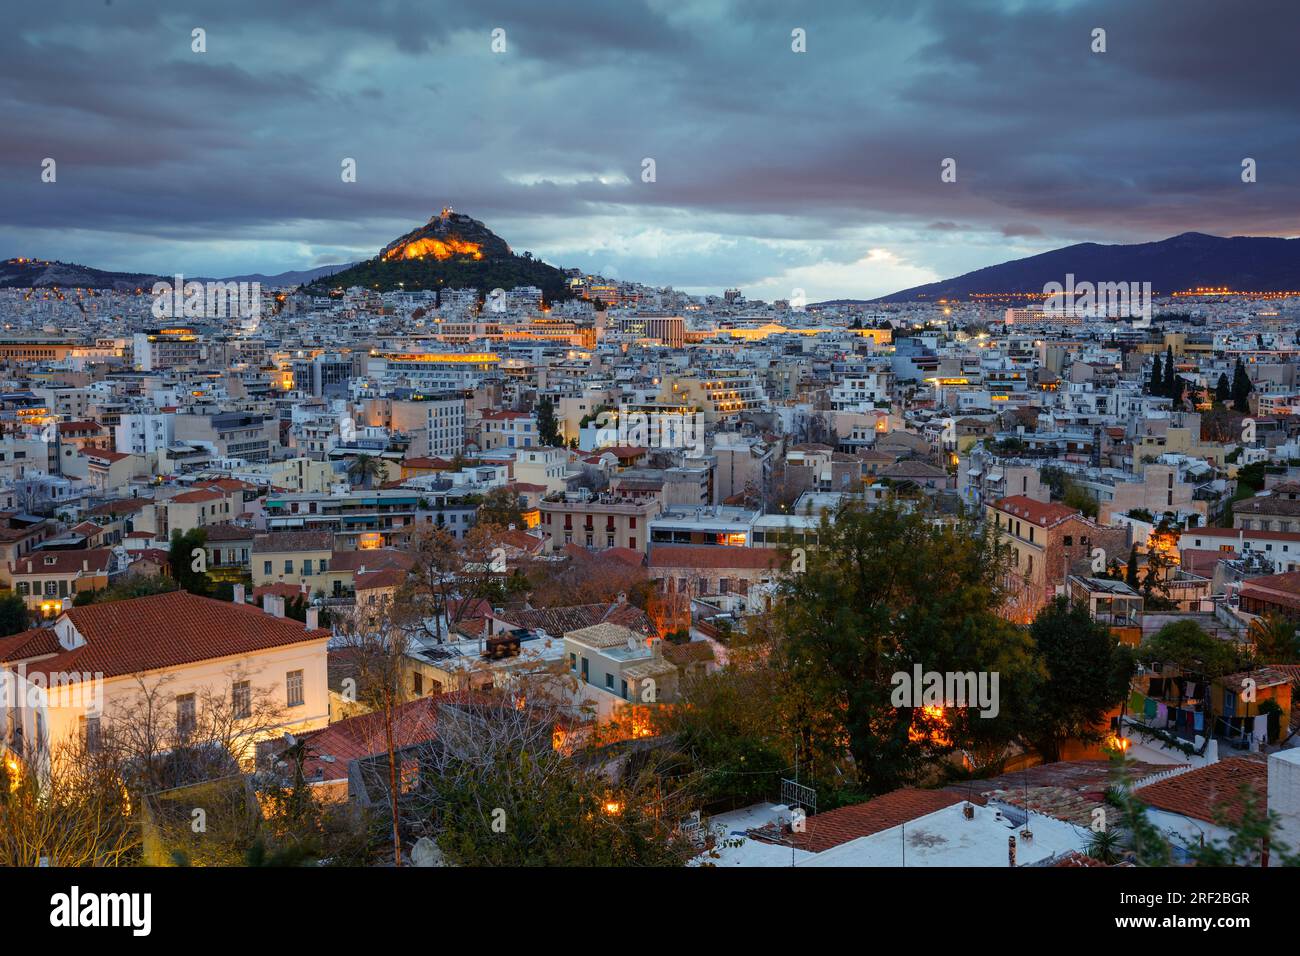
point(886, 589)
point(501, 507)
point(546, 424)
point(134, 586)
point(1186, 644)
point(187, 565)
point(1088, 673)
point(14, 616)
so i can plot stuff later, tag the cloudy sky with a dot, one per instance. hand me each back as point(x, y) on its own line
point(774, 170)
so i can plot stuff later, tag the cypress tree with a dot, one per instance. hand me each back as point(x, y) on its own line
point(1222, 391)
point(1241, 389)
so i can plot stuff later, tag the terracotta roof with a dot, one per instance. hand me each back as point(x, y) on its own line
point(278, 541)
point(693, 652)
point(64, 562)
point(714, 557)
point(364, 736)
point(120, 506)
point(170, 630)
point(27, 644)
point(384, 578)
point(1040, 513)
point(825, 830)
point(1209, 793)
point(1276, 588)
point(196, 497)
point(227, 532)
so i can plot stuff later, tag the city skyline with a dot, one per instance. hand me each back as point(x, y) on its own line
point(774, 170)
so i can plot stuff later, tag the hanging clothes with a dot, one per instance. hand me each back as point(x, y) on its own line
point(1261, 728)
point(1198, 720)
point(1162, 715)
point(1149, 709)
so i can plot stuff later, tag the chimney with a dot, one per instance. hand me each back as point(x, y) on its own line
point(313, 618)
point(239, 594)
point(1011, 851)
point(85, 565)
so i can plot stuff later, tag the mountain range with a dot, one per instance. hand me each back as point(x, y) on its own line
point(453, 250)
point(1190, 260)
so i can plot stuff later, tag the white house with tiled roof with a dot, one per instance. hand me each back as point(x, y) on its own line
point(88, 667)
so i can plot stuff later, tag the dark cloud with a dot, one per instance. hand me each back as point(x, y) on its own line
point(767, 161)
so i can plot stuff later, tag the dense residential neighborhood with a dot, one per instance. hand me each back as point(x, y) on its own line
point(802, 579)
point(671, 438)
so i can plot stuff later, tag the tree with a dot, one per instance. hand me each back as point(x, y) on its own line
point(1222, 390)
point(1185, 644)
point(887, 590)
point(14, 616)
point(376, 645)
point(546, 424)
point(500, 507)
point(133, 586)
point(1157, 384)
point(500, 793)
point(1241, 389)
point(188, 561)
point(364, 469)
point(1131, 570)
point(1173, 385)
point(1088, 673)
point(1274, 637)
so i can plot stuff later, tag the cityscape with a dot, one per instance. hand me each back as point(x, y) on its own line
point(362, 509)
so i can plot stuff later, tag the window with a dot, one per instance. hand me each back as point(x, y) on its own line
point(306, 566)
point(573, 662)
point(90, 733)
point(609, 681)
point(293, 688)
point(266, 567)
point(185, 720)
point(288, 566)
point(417, 684)
point(241, 699)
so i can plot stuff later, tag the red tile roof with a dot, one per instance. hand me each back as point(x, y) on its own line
point(27, 644)
point(170, 630)
point(825, 830)
point(1043, 514)
point(364, 736)
point(1209, 792)
point(60, 563)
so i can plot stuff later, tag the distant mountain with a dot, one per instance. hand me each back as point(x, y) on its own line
point(451, 251)
point(295, 278)
point(1242, 263)
point(22, 273)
